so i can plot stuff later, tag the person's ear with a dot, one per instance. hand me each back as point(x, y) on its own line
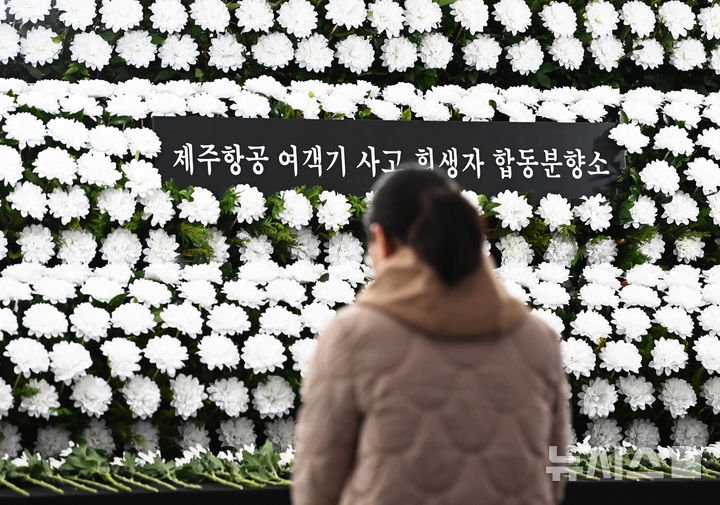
point(383, 243)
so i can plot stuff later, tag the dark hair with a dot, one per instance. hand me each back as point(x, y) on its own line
point(425, 210)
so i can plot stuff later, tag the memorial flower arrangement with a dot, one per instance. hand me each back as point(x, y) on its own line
point(424, 41)
point(155, 335)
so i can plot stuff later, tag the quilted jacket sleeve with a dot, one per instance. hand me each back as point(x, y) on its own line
point(328, 420)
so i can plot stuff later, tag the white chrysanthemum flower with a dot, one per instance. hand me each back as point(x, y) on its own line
point(690, 432)
point(559, 18)
point(226, 53)
point(653, 248)
point(707, 348)
point(187, 395)
point(10, 43)
point(237, 433)
point(577, 356)
point(278, 320)
point(182, 317)
point(642, 213)
point(136, 48)
point(133, 318)
point(297, 17)
point(97, 168)
point(28, 130)
point(28, 355)
point(121, 247)
point(123, 356)
point(630, 137)
point(98, 436)
point(314, 54)
point(255, 15)
point(705, 173)
point(302, 351)
point(568, 52)
point(594, 211)
point(555, 210)
point(647, 53)
point(142, 396)
point(682, 209)
point(273, 398)
point(638, 391)
point(67, 205)
point(161, 248)
point(641, 296)
point(334, 210)
point(168, 16)
point(316, 316)
point(273, 50)
point(166, 353)
point(525, 56)
point(77, 14)
point(178, 52)
point(472, 15)
point(709, 319)
point(689, 249)
point(263, 353)
point(44, 320)
point(422, 15)
point(514, 15)
point(513, 210)
point(677, 16)
point(356, 53)
point(711, 393)
point(198, 292)
point(51, 441)
point(597, 398)
point(89, 322)
point(192, 436)
point(398, 54)
point(28, 11)
point(40, 46)
point(482, 53)
point(386, 16)
point(230, 395)
point(158, 207)
point(227, 319)
point(10, 444)
point(561, 250)
point(550, 295)
point(11, 167)
point(297, 210)
point(592, 325)
point(218, 351)
point(204, 208)
point(642, 433)
point(639, 17)
point(143, 141)
point(55, 163)
point(28, 199)
point(43, 403)
point(333, 291)
point(674, 139)
point(211, 15)
point(620, 357)
point(120, 15)
point(347, 13)
point(281, 432)
point(709, 20)
point(603, 433)
point(36, 244)
point(69, 360)
point(515, 249)
point(144, 437)
point(92, 395)
point(678, 396)
point(607, 51)
point(668, 356)
point(688, 54)
point(91, 50)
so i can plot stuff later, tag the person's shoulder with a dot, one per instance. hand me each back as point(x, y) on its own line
point(358, 321)
point(538, 343)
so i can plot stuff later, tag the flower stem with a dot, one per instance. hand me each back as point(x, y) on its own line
point(115, 483)
point(12, 486)
point(217, 479)
point(180, 483)
point(97, 484)
point(72, 483)
point(154, 480)
point(136, 483)
point(44, 484)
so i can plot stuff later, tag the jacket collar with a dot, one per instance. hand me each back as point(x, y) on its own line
point(408, 289)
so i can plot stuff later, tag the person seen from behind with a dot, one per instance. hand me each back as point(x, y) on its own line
point(436, 387)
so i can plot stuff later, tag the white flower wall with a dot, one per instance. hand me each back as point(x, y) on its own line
point(137, 316)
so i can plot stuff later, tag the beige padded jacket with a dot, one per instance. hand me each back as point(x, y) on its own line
point(420, 394)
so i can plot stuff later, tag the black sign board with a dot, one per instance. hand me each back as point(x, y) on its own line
point(571, 159)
